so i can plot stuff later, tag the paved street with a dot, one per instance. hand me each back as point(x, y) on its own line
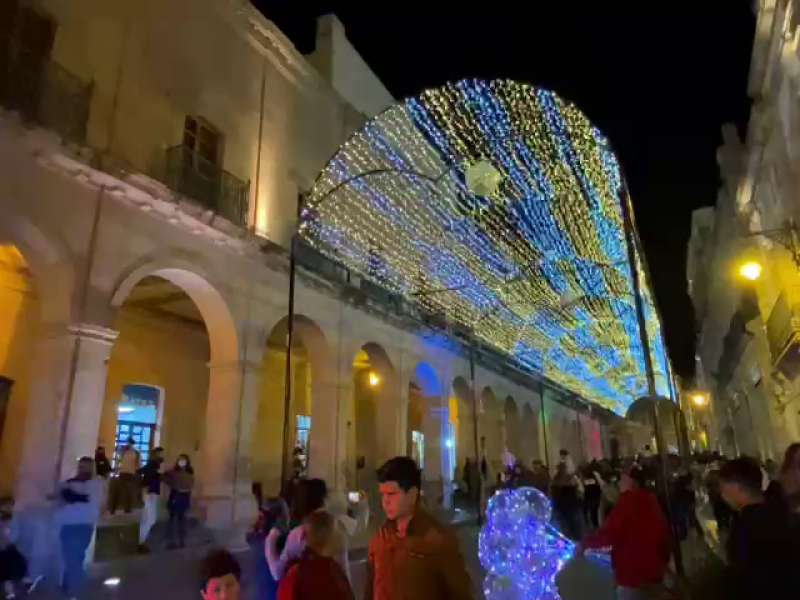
point(173, 575)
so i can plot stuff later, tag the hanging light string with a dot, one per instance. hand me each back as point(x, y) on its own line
point(508, 196)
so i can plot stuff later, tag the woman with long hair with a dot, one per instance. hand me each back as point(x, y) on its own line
point(180, 480)
point(273, 514)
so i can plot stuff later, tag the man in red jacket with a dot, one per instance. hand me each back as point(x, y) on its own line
point(638, 535)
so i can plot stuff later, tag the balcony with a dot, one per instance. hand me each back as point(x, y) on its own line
point(204, 182)
point(43, 93)
point(783, 333)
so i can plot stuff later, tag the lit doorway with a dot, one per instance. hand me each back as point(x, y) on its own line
point(138, 417)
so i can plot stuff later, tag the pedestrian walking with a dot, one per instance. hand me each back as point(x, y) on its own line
point(220, 576)
point(180, 480)
point(592, 494)
point(316, 574)
point(566, 502)
point(638, 535)
point(150, 477)
point(412, 555)
point(13, 565)
point(125, 488)
point(80, 500)
point(764, 542)
point(273, 514)
point(566, 460)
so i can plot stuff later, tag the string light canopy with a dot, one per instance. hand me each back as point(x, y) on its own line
point(497, 204)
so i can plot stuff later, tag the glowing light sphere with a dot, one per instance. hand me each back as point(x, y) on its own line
point(519, 549)
point(482, 178)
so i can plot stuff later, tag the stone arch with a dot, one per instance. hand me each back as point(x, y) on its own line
point(50, 263)
point(37, 285)
point(217, 461)
point(374, 418)
point(425, 415)
point(530, 435)
point(312, 369)
point(513, 427)
point(491, 431)
point(195, 281)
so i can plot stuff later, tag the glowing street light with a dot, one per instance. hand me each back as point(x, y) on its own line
point(700, 399)
point(374, 379)
point(750, 270)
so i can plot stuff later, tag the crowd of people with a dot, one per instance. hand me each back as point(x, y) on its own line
point(624, 505)
point(80, 502)
point(299, 548)
point(299, 542)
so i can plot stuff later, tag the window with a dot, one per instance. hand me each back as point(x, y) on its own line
point(302, 433)
point(142, 435)
point(204, 143)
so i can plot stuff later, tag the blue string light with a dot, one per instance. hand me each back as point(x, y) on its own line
point(521, 552)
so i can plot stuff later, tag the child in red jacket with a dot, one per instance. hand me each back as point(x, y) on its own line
point(316, 574)
point(638, 535)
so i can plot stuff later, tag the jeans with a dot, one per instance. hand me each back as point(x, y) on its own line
point(75, 540)
point(177, 526)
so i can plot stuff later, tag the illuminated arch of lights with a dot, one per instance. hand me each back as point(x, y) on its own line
point(498, 204)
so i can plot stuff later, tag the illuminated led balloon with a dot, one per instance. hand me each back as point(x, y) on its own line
point(519, 549)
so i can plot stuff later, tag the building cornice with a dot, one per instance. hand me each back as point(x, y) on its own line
point(269, 41)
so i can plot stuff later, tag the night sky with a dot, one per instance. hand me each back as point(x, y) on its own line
point(659, 82)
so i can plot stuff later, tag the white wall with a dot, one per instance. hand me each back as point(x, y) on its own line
point(343, 67)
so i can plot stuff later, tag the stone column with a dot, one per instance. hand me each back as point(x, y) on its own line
point(328, 434)
point(434, 430)
point(219, 462)
point(68, 375)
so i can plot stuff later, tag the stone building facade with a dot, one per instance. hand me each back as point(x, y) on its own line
point(748, 333)
point(149, 177)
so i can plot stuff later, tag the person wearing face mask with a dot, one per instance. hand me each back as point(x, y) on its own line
point(180, 480)
point(80, 501)
point(150, 477)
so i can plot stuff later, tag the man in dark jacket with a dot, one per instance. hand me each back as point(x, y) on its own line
point(764, 541)
point(150, 477)
point(638, 535)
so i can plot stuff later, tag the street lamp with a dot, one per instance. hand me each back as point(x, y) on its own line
point(700, 399)
point(785, 235)
point(374, 379)
point(750, 270)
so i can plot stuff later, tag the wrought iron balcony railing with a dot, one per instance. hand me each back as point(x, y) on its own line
point(208, 184)
point(783, 332)
point(43, 92)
